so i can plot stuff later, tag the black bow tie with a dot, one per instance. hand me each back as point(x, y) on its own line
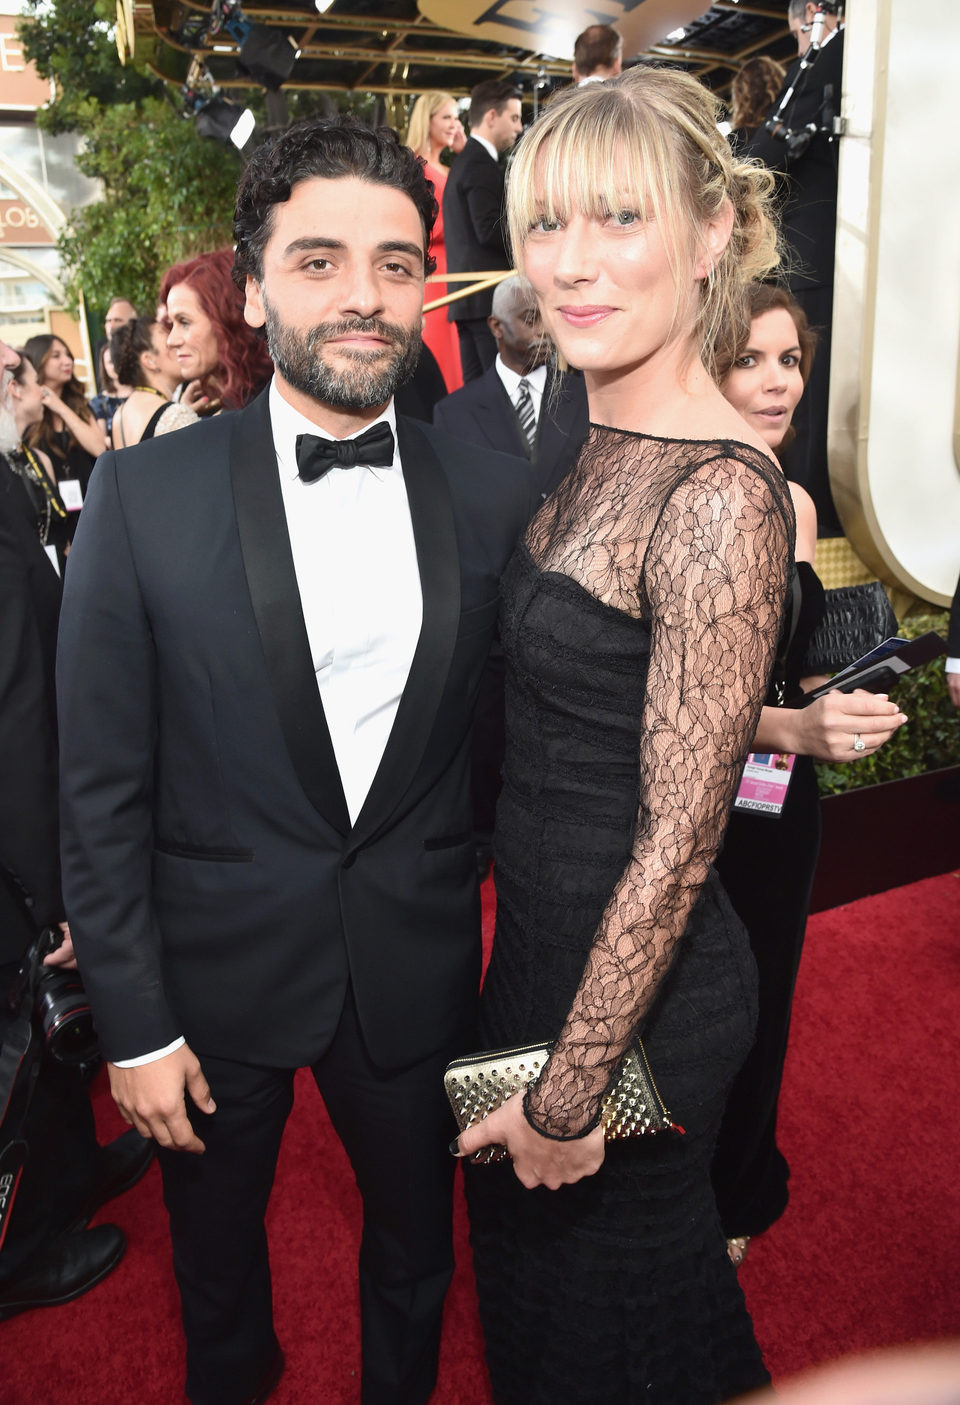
point(316, 456)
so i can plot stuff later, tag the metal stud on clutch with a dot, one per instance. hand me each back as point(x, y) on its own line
point(477, 1084)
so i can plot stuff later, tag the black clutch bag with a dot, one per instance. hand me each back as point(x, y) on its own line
point(477, 1084)
point(856, 618)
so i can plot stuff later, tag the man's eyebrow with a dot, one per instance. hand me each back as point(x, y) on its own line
point(400, 246)
point(318, 241)
point(313, 241)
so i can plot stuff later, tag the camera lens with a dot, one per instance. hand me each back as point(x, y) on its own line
point(65, 1017)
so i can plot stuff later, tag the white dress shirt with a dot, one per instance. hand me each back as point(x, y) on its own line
point(536, 380)
point(488, 147)
point(356, 565)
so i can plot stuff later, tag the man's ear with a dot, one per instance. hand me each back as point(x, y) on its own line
point(494, 324)
point(253, 310)
point(716, 236)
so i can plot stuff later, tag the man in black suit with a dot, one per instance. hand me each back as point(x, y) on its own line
point(53, 1173)
point(517, 406)
point(953, 649)
point(808, 162)
point(473, 219)
point(275, 623)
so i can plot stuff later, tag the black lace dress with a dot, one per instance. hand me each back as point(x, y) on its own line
point(640, 621)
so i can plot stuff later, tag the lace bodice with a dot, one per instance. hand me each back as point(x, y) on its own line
point(691, 541)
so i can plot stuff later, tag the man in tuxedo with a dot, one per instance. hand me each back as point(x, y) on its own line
point(273, 632)
point(53, 1173)
point(473, 218)
point(808, 164)
point(518, 406)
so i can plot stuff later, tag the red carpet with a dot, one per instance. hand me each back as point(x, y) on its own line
point(867, 1254)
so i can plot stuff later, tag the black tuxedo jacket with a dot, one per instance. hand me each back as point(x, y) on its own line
point(953, 630)
point(29, 847)
point(215, 886)
point(810, 205)
point(474, 227)
point(483, 413)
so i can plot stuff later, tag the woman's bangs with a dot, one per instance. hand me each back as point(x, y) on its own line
point(600, 183)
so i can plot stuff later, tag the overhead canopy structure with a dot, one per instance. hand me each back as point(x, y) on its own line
point(402, 47)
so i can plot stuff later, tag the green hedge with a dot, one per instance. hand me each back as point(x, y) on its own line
point(928, 740)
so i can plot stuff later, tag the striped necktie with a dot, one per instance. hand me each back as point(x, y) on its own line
point(528, 420)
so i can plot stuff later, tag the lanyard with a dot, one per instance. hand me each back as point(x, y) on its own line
point(44, 482)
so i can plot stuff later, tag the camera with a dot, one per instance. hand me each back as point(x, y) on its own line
point(795, 139)
point(61, 1009)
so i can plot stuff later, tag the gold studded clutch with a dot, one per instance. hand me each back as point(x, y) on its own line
point(477, 1084)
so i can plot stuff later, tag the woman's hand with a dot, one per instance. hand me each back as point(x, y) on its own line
point(52, 402)
point(827, 727)
point(536, 1160)
point(194, 398)
point(87, 433)
point(459, 140)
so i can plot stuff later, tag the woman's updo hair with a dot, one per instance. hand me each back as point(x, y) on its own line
point(127, 345)
point(648, 141)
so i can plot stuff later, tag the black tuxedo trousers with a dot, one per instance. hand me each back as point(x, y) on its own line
point(215, 886)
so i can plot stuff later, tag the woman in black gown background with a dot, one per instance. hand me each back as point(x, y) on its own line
point(640, 620)
point(767, 863)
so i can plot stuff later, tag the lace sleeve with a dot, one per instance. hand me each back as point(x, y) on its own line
point(713, 581)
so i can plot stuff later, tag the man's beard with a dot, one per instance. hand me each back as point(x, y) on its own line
point(9, 438)
point(369, 381)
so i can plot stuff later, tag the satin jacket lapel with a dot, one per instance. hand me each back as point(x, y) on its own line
point(434, 532)
point(268, 563)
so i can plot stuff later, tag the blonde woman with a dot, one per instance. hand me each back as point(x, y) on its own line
point(639, 623)
point(435, 127)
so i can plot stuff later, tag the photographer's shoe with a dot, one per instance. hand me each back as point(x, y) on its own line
point(122, 1163)
point(63, 1270)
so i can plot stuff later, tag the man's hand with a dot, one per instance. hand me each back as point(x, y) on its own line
point(151, 1098)
point(536, 1160)
point(64, 954)
point(953, 685)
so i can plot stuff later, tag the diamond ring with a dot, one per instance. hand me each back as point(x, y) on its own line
point(858, 743)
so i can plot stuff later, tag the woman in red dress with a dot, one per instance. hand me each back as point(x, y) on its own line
point(434, 125)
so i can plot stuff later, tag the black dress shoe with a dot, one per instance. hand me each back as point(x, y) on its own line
point(269, 1381)
point(63, 1269)
point(122, 1162)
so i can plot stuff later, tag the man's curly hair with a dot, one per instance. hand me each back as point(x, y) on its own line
point(332, 149)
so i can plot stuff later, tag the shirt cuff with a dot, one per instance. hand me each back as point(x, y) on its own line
point(149, 1058)
point(952, 665)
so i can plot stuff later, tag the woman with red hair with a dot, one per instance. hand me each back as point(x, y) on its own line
point(223, 359)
